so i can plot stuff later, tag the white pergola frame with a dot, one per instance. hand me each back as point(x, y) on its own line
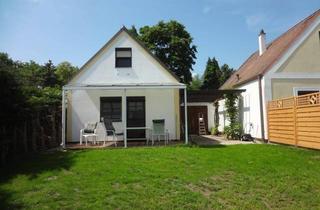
point(124, 88)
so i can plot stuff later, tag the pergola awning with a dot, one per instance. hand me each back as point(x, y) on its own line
point(120, 86)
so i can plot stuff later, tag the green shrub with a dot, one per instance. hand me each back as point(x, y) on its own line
point(214, 131)
point(233, 131)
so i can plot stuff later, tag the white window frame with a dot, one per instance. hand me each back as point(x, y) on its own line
point(296, 89)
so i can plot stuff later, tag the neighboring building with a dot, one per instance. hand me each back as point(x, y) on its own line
point(288, 66)
point(201, 106)
point(123, 82)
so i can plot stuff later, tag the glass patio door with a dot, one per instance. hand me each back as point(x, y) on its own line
point(136, 117)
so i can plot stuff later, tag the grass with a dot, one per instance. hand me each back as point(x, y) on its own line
point(239, 176)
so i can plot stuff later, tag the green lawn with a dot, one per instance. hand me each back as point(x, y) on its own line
point(239, 176)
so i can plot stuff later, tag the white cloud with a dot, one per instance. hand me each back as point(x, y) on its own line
point(206, 9)
point(194, 74)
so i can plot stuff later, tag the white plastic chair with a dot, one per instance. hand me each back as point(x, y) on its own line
point(88, 130)
point(158, 130)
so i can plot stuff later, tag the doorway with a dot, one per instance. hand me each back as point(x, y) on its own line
point(136, 117)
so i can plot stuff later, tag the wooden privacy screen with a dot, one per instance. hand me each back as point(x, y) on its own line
point(295, 121)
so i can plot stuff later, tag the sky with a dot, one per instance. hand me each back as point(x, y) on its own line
point(74, 30)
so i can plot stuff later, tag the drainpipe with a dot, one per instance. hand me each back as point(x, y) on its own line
point(261, 108)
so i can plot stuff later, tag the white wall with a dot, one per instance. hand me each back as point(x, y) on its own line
point(249, 110)
point(210, 108)
point(102, 70)
point(85, 107)
point(222, 116)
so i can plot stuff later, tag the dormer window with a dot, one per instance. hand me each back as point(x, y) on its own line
point(123, 57)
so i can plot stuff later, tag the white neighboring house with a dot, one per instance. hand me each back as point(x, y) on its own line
point(286, 67)
point(126, 83)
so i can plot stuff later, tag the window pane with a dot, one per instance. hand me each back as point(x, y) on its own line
point(305, 92)
point(111, 108)
point(123, 62)
point(123, 54)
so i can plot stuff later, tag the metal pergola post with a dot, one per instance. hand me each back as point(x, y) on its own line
point(63, 120)
point(124, 116)
point(185, 116)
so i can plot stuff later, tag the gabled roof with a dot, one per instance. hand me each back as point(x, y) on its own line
point(124, 29)
point(257, 65)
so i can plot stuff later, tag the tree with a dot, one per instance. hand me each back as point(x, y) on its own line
point(133, 31)
point(212, 74)
point(50, 78)
point(31, 74)
point(196, 83)
point(12, 98)
point(172, 44)
point(226, 72)
point(64, 72)
point(30, 99)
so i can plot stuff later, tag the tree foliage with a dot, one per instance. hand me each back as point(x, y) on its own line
point(234, 129)
point(231, 107)
point(49, 76)
point(27, 86)
point(225, 72)
point(64, 72)
point(196, 83)
point(211, 75)
point(12, 98)
point(172, 44)
point(214, 76)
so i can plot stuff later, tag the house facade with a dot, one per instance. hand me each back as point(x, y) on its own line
point(123, 82)
point(287, 66)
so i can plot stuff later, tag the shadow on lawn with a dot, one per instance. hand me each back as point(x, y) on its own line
point(31, 166)
point(204, 142)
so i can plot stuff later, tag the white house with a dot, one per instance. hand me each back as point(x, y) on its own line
point(122, 82)
point(287, 66)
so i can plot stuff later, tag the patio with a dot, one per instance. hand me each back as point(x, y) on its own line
point(133, 118)
point(209, 140)
point(120, 144)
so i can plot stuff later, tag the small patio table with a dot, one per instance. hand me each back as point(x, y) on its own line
point(90, 135)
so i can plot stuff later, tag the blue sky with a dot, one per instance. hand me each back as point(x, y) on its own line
point(73, 30)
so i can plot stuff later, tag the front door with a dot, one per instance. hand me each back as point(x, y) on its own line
point(194, 112)
point(136, 116)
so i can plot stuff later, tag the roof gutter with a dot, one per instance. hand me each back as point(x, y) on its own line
point(261, 107)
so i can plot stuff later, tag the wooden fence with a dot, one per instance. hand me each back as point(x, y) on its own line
point(38, 132)
point(295, 121)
